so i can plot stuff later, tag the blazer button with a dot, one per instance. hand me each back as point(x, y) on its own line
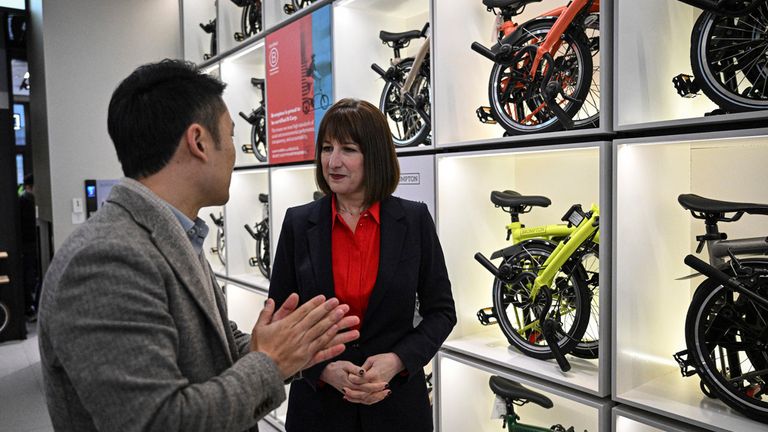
point(355, 345)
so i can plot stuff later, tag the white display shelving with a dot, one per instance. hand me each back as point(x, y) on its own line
point(465, 181)
point(646, 61)
point(461, 75)
point(470, 408)
point(644, 232)
point(653, 234)
point(241, 96)
point(626, 419)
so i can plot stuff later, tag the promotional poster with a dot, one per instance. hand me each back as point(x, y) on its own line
point(299, 85)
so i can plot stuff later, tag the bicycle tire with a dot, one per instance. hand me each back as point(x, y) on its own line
point(262, 250)
point(521, 110)
point(588, 269)
point(712, 325)
point(259, 136)
point(5, 316)
point(728, 75)
point(529, 258)
point(221, 246)
point(588, 115)
point(407, 126)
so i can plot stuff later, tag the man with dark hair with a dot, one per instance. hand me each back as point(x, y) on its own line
point(134, 333)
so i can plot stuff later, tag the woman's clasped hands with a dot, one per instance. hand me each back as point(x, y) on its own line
point(366, 384)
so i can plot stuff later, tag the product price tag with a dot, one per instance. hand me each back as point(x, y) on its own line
point(499, 408)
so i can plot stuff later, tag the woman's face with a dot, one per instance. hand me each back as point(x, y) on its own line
point(343, 169)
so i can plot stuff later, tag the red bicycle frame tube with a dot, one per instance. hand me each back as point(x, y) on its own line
point(565, 16)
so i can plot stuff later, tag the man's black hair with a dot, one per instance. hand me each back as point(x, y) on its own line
point(29, 180)
point(150, 110)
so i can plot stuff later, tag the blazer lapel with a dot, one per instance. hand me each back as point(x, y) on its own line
point(171, 240)
point(319, 245)
point(393, 231)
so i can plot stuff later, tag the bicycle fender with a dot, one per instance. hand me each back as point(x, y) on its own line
point(520, 31)
point(515, 248)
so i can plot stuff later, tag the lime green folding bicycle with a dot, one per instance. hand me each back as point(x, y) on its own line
point(546, 291)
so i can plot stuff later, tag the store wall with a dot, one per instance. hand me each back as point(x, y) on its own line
point(81, 50)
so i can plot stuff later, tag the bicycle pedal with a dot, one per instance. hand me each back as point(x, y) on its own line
point(239, 37)
point(485, 115)
point(214, 250)
point(253, 262)
point(686, 86)
point(687, 367)
point(289, 9)
point(487, 316)
point(247, 148)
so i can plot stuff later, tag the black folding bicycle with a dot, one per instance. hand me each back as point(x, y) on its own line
point(728, 55)
point(726, 328)
point(250, 18)
point(258, 121)
point(260, 233)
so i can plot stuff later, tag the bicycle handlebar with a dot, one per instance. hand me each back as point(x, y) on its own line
point(485, 262)
point(250, 231)
point(424, 29)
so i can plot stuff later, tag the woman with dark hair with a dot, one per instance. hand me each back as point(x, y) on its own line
point(378, 254)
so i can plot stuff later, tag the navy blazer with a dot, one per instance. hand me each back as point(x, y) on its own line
point(411, 265)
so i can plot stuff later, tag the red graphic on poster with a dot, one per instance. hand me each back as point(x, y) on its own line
point(291, 131)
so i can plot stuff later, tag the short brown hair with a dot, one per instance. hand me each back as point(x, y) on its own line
point(358, 121)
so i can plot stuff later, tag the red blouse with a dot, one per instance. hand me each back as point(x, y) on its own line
point(355, 258)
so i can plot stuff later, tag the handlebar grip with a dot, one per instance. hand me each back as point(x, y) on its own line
point(483, 51)
point(245, 117)
point(706, 269)
point(424, 29)
point(376, 68)
point(487, 264)
point(215, 220)
point(250, 231)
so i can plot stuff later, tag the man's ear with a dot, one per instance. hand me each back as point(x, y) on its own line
point(195, 141)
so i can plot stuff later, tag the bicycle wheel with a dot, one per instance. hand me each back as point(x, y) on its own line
point(728, 57)
point(516, 100)
point(407, 126)
point(262, 250)
point(725, 335)
point(5, 316)
point(221, 246)
point(259, 136)
point(517, 313)
point(252, 19)
point(588, 271)
point(588, 115)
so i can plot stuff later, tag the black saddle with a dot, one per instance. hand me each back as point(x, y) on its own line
point(400, 38)
point(509, 198)
point(511, 4)
point(705, 205)
point(263, 198)
point(257, 82)
point(515, 391)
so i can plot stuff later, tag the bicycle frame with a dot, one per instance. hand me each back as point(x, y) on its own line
point(518, 233)
point(414, 72)
point(586, 229)
point(511, 421)
point(565, 16)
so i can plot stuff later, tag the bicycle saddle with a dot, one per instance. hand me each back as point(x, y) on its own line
point(515, 391)
point(512, 4)
point(257, 82)
point(263, 198)
point(510, 198)
point(706, 205)
point(399, 37)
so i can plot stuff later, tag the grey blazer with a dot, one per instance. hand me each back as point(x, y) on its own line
point(131, 334)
